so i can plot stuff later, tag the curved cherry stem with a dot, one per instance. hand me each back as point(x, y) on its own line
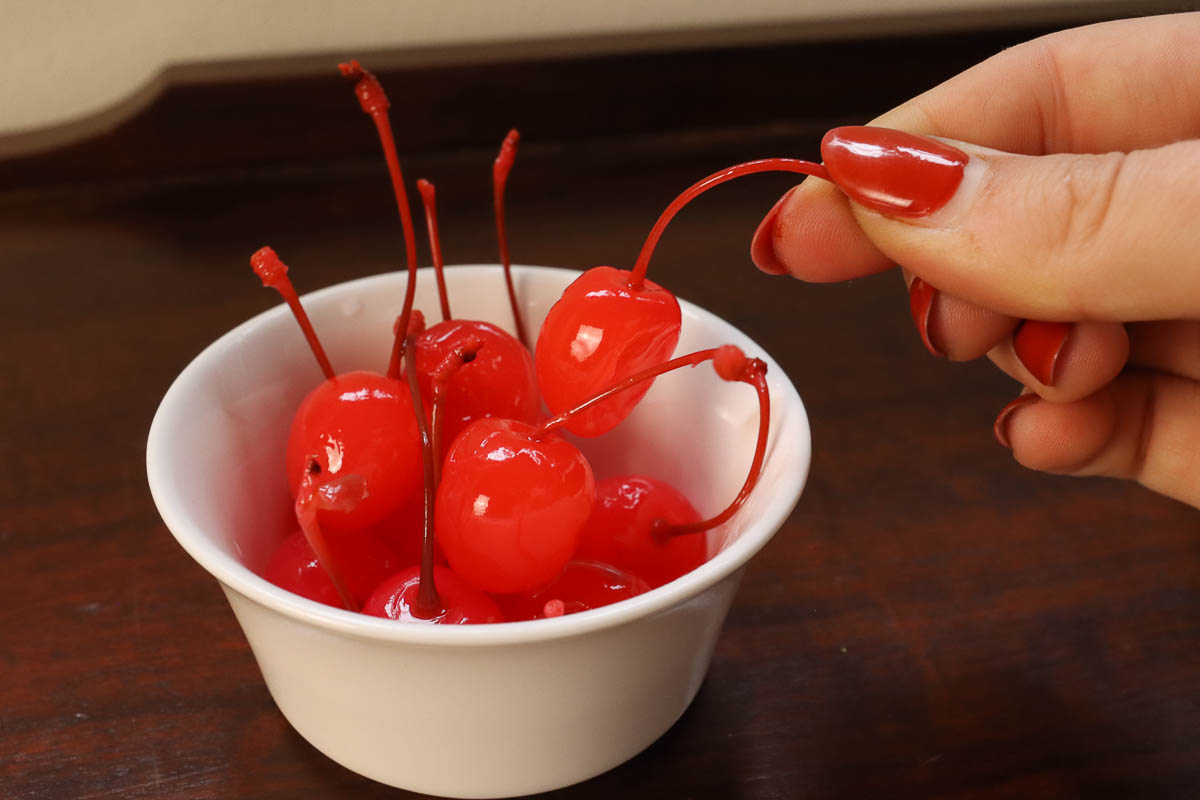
point(700, 187)
point(273, 272)
point(428, 604)
point(690, 360)
point(463, 353)
point(375, 104)
point(755, 374)
point(309, 499)
point(500, 170)
point(429, 200)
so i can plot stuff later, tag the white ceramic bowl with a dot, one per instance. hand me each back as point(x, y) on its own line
point(466, 711)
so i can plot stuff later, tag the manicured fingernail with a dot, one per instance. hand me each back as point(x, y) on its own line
point(1000, 426)
point(762, 246)
point(920, 301)
point(1038, 345)
point(896, 173)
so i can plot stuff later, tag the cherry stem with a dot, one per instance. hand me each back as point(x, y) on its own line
point(500, 170)
point(267, 265)
point(416, 326)
point(463, 353)
point(375, 104)
point(428, 604)
point(755, 374)
point(308, 500)
point(429, 199)
point(690, 360)
point(700, 187)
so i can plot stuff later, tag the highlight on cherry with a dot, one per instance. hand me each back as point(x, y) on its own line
point(438, 491)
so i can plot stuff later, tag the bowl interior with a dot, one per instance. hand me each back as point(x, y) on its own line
point(215, 453)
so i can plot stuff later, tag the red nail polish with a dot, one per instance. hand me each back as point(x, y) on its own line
point(893, 172)
point(1000, 426)
point(762, 246)
point(920, 302)
point(1038, 345)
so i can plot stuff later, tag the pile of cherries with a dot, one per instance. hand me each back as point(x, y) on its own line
point(440, 492)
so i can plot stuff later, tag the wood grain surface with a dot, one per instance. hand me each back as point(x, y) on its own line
point(933, 620)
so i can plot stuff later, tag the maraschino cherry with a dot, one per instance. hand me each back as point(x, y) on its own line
point(367, 561)
point(514, 497)
point(620, 530)
point(647, 527)
point(427, 592)
point(611, 323)
point(581, 586)
point(492, 374)
point(354, 423)
point(511, 504)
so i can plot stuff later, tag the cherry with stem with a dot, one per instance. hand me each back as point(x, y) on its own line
point(731, 364)
point(341, 493)
point(514, 498)
point(610, 323)
point(375, 104)
point(500, 171)
point(273, 272)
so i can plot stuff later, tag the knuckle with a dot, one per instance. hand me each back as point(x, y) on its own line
point(1089, 189)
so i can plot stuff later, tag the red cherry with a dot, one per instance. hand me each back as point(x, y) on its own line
point(396, 598)
point(601, 330)
point(620, 530)
point(401, 531)
point(582, 585)
point(610, 324)
point(510, 506)
point(497, 382)
point(365, 561)
point(294, 567)
point(360, 423)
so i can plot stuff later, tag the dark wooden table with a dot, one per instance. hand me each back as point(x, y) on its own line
point(933, 621)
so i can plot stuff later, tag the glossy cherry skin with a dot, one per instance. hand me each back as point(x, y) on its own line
point(510, 509)
point(599, 331)
point(582, 585)
point(363, 559)
point(620, 529)
point(362, 423)
point(498, 382)
point(395, 597)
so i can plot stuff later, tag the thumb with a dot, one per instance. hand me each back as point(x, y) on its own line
point(1059, 237)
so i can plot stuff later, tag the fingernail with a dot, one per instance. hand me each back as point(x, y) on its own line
point(1000, 426)
point(895, 173)
point(1038, 345)
point(920, 302)
point(762, 246)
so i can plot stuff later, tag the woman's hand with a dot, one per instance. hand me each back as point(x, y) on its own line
point(1075, 206)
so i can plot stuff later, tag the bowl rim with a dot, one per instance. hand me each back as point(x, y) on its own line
point(234, 575)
